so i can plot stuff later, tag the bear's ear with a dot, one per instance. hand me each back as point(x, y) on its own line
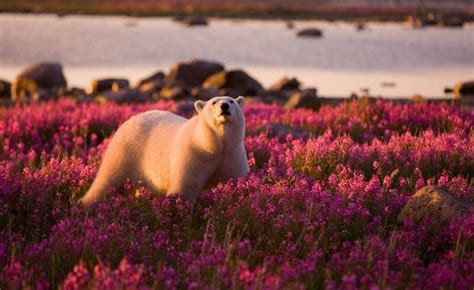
point(199, 105)
point(240, 100)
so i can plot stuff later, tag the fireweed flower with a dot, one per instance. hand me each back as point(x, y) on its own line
point(318, 210)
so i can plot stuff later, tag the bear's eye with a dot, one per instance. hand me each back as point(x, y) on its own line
point(214, 102)
point(231, 101)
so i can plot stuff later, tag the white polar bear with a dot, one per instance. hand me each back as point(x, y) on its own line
point(172, 154)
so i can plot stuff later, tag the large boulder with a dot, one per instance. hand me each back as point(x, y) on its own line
point(5, 89)
point(434, 203)
point(40, 76)
point(310, 32)
point(121, 96)
point(102, 85)
point(464, 89)
point(234, 83)
point(306, 98)
point(192, 73)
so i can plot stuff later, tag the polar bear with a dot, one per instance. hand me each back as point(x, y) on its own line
point(171, 154)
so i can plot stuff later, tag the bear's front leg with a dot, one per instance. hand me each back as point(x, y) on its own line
point(190, 176)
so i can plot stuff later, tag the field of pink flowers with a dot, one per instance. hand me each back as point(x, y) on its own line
point(319, 209)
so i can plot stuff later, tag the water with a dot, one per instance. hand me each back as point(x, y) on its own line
point(421, 61)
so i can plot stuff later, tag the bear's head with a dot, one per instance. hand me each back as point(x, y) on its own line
point(221, 111)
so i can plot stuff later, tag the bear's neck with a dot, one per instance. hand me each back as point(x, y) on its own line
point(217, 140)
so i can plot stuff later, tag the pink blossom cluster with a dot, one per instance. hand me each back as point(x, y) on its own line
point(318, 210)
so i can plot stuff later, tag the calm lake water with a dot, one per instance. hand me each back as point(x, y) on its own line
point(343, 61)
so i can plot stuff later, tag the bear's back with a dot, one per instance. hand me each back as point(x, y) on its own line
point(154, 135)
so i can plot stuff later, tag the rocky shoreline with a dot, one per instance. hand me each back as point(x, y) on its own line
point(191, 80)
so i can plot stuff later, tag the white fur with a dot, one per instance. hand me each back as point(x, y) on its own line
point(172, 154)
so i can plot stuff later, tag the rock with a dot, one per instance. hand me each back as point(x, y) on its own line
point(417, 98)
point(78, 94)
point(354, 96)
point(75, 93)
point(310, 32)
point(272, 96)
point(158, 76)
point(434, 203)
point(448, 90)
point(175, 92)
point(360, 26)
point(5, 89)
point(388, 84)
point(451, 21)
point(192, 73)
point(234, 83)
point(102, 85)
point(179, 17)
point(121, 96)
point(195, 20)
point(464, 89)
point(152, 88)
point(424, 19)
point(38, 76)
point(42, 94)
point(304, 99)
point(185, 108)
point(285, 84)
point(204, 94)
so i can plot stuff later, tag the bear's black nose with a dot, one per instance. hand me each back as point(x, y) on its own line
point(225, 107)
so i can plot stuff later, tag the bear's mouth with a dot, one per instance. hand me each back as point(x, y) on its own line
point(225, 113)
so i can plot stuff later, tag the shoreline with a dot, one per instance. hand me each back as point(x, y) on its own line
point(245, 11)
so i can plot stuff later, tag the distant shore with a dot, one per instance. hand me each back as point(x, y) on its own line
point(224, 10)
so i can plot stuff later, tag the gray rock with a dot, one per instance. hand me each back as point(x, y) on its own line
point(5, 89)
point(38, 76)
point(464, 89)
point(274, 96)
point(310, 32)
point(179, 17)
point(195, 20)
point(121, 96)
point(192, 73)
point(152, 88)
point(434, 203)
point(102, 85)
point(204, 94)
point(306, 98)
point(44, 94)
point(185, 108)
point(175, 92)
point(451, 21)
point(158, 76)
point(233, 83)
point(75, 93)
point(285, 84)
point(360, 26)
